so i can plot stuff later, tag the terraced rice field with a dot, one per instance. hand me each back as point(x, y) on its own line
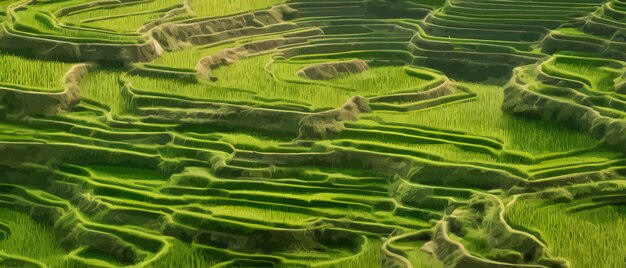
point(313, 133)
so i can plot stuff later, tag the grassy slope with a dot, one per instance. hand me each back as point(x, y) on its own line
point(126, 18)
point(38, 74)
point(482, 116)
point(346, 195)
point(590, 238)
point(29, 238)
point(247, 78)
point(220, 8)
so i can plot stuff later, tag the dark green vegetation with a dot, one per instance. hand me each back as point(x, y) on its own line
point(312, 133)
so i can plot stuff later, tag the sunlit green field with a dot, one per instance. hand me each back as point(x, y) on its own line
point(285, 133)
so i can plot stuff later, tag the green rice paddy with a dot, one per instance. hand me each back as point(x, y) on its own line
point(354, 133)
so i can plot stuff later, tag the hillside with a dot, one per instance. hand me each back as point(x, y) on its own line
point(313, 133)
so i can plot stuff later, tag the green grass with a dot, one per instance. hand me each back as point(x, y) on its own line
point(128, 23)
point(381, 80)
point(157, 186)
point(242, 81)
point(126, 173)
point(589, 239)
point(250, 74)
point(266, 215)
point(188, 58)
point(432, 3)
point(571, 31)
point(29, 238)
point(131, 19)
point(247, 78)
point(483, 116)
point(473, 241)
point(103, 87)
point(369, 257)
point(39, 74)
point(245, 141)
point(124, 17)
point(194, 90)
point(372, 82)
point(250, 140)
point(38, 19)
point(4, 4)
point(601, 78)
point(203, 8)
point(450, 152)
point(186, 255)
point(420, 259)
